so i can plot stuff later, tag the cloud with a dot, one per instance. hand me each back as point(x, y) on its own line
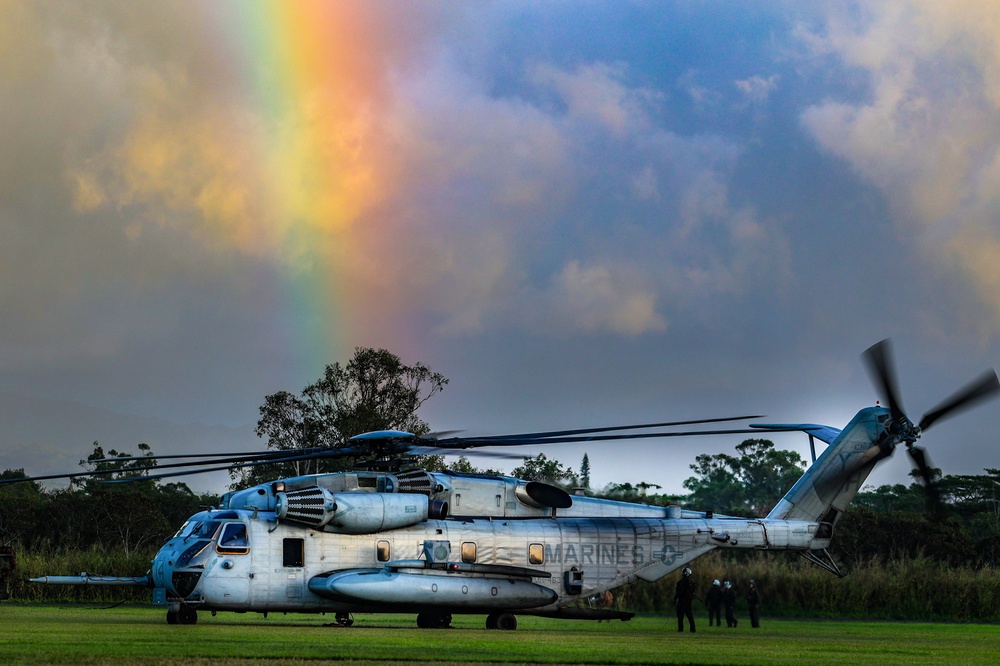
point(757, 89)
point(703, 96)
point(580, 216)
point(596, 299)
point(927, 129)
point(597, 93)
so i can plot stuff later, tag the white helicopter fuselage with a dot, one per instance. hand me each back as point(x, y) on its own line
point(447, 543)
point(534, 559)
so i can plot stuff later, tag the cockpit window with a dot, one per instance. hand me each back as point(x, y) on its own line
point(234, 539)
point(199, 529)
point(205, 529)
point(195, 555)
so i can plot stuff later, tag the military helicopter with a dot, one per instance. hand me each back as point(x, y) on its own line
point(434, 544)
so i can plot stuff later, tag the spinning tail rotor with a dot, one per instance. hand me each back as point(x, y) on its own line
point(878, 358)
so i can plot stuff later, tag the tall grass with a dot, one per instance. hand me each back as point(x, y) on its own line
point(903, 589)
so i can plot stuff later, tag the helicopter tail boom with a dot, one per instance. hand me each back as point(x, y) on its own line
point(828, 486)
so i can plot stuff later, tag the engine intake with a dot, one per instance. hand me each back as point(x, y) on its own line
point(356, 512)
point(542, 496)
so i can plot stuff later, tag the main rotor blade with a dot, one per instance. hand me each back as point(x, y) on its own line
point(437, 451)
point(345, 452)
point(985, 386)
point(46, 477)
point(390, 447)
point(235, 460)
point(880, 366)
point(260, 458)
point(509, 440)
point(264, 457)
point(433, 437)
point(220, 454)
point(584, 431)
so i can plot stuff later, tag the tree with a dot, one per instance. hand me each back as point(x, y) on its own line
point(895, 497)
point(463, 465)
point(127, 515)
point(374, 391)
point(750, 484)
point(117, 465)
point(638, 492)
point(20, 507)
point(644, 486)
point(541, 468)
point(585, 471)
point(864, 535)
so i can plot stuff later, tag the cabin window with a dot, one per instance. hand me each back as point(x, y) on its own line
point(234, 539)
point(293, 552)
point(536, 554)
point(469, 552)
point(382, 551)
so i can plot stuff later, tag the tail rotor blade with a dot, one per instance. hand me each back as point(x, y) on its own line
point(929, 477)
point(984, 387)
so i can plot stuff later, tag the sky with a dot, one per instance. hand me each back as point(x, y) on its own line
point(581, 213)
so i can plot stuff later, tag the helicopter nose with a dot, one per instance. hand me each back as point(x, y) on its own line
point(162, 569)
point(173, 570)
point(184, 582)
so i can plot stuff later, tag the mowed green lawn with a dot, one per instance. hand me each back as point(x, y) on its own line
point(87, 635)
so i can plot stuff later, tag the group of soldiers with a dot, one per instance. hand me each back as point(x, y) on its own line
point(718, 595)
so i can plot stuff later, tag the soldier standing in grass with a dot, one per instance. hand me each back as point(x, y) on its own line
point(753, 604)
point(713, 599)
point(683, 598)
point(729, 601)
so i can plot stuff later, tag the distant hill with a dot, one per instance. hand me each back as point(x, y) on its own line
point(51, 437)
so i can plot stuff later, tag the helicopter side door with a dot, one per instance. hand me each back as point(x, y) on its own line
point(279, 579)
point(228, 583)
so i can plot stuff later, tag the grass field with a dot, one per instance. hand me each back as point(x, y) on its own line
point(32, 634)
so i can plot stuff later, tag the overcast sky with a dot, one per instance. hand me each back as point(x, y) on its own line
point(581, 213)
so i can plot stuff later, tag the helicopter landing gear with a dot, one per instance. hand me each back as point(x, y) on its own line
point(183, 615)
point(344, 619)
point(502, 621)
point(433, 620)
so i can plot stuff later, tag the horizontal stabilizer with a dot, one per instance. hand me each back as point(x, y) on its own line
point(820, 432)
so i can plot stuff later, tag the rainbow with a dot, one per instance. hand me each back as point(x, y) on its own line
point(312, 78)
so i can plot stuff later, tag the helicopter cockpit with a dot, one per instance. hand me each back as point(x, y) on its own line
point(182, 561)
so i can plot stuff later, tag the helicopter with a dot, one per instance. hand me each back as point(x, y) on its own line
point(388, 539)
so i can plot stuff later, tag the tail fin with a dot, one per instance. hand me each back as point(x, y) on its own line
point(828, 486)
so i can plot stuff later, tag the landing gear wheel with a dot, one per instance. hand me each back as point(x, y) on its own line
point(171, 617)
point(433, 620)
point(502, 621)
point(186, 615)
point(344, 619)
